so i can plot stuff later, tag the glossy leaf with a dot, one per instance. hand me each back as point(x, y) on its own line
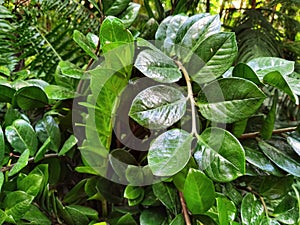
point(239, 127)
point(152, 217)
point(117, 7)
point(226, 211)
point(264, 65)
point(165, 107)
point(252, 210)
point(20, 164)
point(258, 159)
point(277, 80)
point(275, 187)
point(41, 152)
point(294, 142)
point(2, 145)
point(21, 136)
point(219, 103)
point(130, 14)
point(170, 152)
point(216, 55)
point(68, 69)
point(220, 155)
point(168, 195)
point(287, 211)
point(68, 145)
point(7, 92)
point(161, 32)
point(281, 158)
point(47, 127)
point(242, 70)
point(199, 192)
point(30, 97)
point(158, 66)
point(83, 42)
point(133, 192)
point(127, 219)
point(56, 92)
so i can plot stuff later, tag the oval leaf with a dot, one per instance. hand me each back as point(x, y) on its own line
point(7, 93)
point(170, 152)
point(199, 192)
point(220, 155)
point(30, 97)
point(242, 70)
point(84, 43)
point(219, 103)
point(21, 136)
point(156, 65)
point(158, 107)
point(252, 210)
point(20, 164)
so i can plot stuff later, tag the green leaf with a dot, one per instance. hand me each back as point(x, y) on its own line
point(35, 216)
point(221, 104)
point(2, 145)
point(269, 122)
point(226, 211)
point(68, 145)
point(277, 80)
point(287, 211)
point(1, 180)
point(161, 32)
point(220, 155)
point(252, 210)
point(56, 92)
point(13, 114)
point(3, 217)
point(157, 66)
point(275, 187)
point(47, 127)
point(168, 195)
point(264, 65)
point(178, 220)
point(199, 192)
point(68, 69)
point(17, 203)
point(7, 92)
point(294, 142)
point(114, 34)
point(153, 217)
point(21, 136)
point(83, 42)
point(216, 55)
point(30, 97)
point(170, 152)
point(258, 159)
point(165, 107)
point(41, 152)
point(32, 183)
point(116, 7)
point(20, 164)
point(77, 215)
point(127, 219)
point(130, 14)
point(89, 212)
point(242, 70)
point(281, 158)
point(133, 192)
point(239, 127)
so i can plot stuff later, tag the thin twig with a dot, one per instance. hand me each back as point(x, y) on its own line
point(184, 210)
point(30, 160)
point(277, 131)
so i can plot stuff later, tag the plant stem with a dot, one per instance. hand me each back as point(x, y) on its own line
point(190, 97)
point(277, 131)
point(184, 210)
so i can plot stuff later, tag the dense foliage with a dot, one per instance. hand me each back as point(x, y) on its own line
point(149, 112)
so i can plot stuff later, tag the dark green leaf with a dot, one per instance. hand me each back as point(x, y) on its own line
point(219, 103)
point(35, 216)
point(83, 42)
point(220, 155)
point(127, 219)
point(281, 158)
point(275, 187)
point(130, 14)
point(78, 215)
point(168, 195)
point(287, 211)
point(55, 92)
point(68, 145)
point(268, 125)
point(199, 192)
point(244, 71)
point(153, 217)
point(7, 92)
point(239, 127)
point(170, 152)
point(252, 210)
point(158, 66)
point(2, 145)
point(13, 114)
point(20, 164)
point(216, 55)
point(178, 220)
point(30, 97)
point(117, 7)
point(165, 107)
point(89, 212)
point(21, 136)
point(47, 127)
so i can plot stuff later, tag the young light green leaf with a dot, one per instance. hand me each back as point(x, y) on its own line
point(281, 158)
point(221, 104)
point(83, 42)
point(268, 125)
point(252, 210)
point(30, 97)
point(277, 80)
point(165, 107)
point(264, 65)
point(244, 71)
point(216, 53)
point(47, 127)
point(68, 145)
point(2, 145)
point(21, 136)
point(226, 211)
point(199, 192)
point(56, 92)
point(170, 152)
point(168, 195)
point(158, 66)
point(20, 164)
point(68, 69)
point(220, 155)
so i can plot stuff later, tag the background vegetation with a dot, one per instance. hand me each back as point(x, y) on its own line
point(47, 47)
